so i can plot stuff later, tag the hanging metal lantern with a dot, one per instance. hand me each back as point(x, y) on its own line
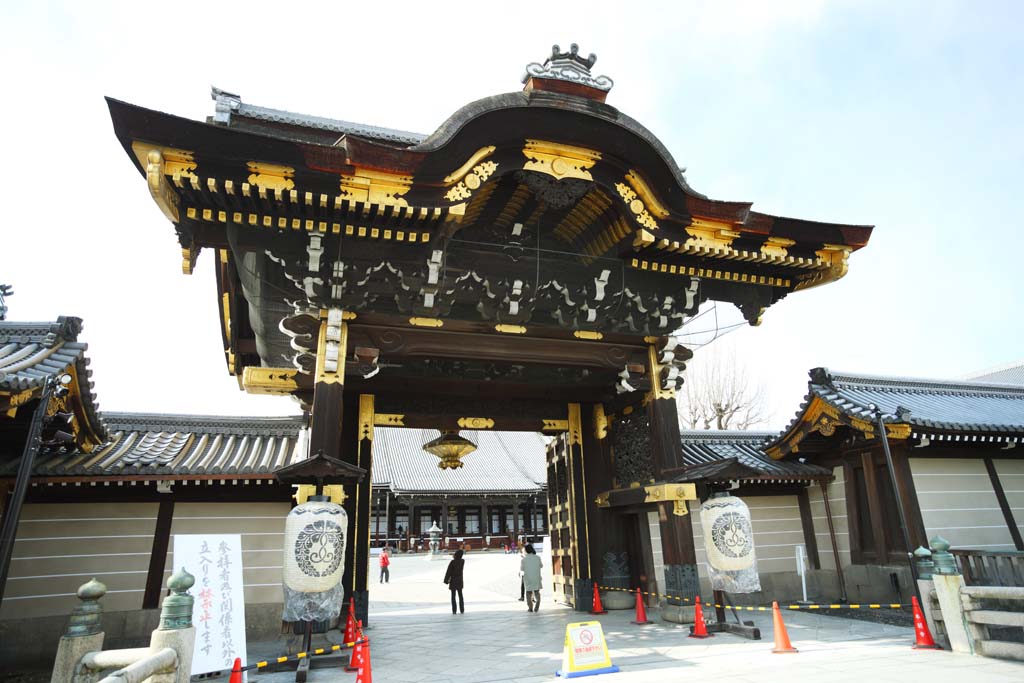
point(450, 447)
point(729, 544)
point(314, 559)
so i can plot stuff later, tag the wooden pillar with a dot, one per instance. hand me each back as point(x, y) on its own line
point(444, 520)
point(607, 529)
point(679, 556)
point(389, 520)
point(328, 391)
point(460, 520)
point(579, 523)
point(662, 414)
point(515, 520)
point(158, 555)
point(807, 522)
point(376, 518)
point(485, 522)
point(357, 424)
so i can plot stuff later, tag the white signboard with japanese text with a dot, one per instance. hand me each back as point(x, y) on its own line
point(219, 611)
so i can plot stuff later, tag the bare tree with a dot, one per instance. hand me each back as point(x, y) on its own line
point(719, 393)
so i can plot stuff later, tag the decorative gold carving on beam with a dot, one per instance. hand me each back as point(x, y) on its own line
point(388, 420)
point(476, 423)
point(472, 182)
point(555, 426)
point(348, 315)
point(366, 417)
point(602, 500)
point(636, 205)
point(898, 431)
point(654, 370)
point(332, 347)
point(188, 259)
point(270, 381)
point(646, 195)
point(678, 494)
point(476, 158)
point(426, 322)
point(375, 187)
point(177, 162)
point(270, 176)
point(588, 334)
point(159, 188)
point(710, 273)
point(575, 425)
point(558, 160)
point(510, 329)
point(837, 257)
point(777, 246)
point(600, 422)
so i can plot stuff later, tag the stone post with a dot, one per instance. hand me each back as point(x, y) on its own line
point(83, 633)
point(176, 630)
point(948, 583)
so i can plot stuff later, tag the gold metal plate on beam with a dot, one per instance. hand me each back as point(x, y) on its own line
point(476, 423)
point(270, 381)
point(336, 492)
point(559, 160)
point(426, 322)
point(555, 426)
point(388, 420)
point(271, 176)
point(600, 422)
point(366, 417)
point(510, 329)
point(677, 494)
point(588, 334)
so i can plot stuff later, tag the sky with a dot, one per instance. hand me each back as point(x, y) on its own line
point(906, 116)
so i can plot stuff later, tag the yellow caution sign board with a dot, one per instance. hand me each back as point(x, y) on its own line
point(585, 652)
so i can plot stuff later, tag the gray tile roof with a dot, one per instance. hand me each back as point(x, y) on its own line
point(230, 108)
point(709, 454)
point(32, 352)
point(176, 445)
point(504, 462)
point(1010, 373)
point(928, 405)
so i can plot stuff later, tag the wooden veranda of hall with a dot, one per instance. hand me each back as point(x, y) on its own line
point(522, 268)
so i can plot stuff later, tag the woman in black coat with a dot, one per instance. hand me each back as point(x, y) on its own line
point(453, 577)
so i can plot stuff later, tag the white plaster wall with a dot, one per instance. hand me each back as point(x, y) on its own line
point(262, 528)
point(777, 531)
point(59, 547)
point(958, 503)
point(1011, 476)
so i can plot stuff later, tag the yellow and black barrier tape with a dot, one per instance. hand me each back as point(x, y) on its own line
point(302, 655)
point(762, 608)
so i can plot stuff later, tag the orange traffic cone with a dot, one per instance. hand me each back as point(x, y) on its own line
point(700, 629)
point(364, 675)
point(236, 672)
point(641, 613)
point(782, 643)
point(357, 649)
point(350, 621)
point(597, 607)
point(922, 636)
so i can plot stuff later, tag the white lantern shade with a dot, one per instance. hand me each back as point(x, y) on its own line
point(314, 546)
point(728, 534)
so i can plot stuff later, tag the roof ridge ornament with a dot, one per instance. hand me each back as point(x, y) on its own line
point(568, 66)
point(226, 103)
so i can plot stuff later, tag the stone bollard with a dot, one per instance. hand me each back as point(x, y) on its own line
point(948, 582)
point(83, 634)
point(176, 630)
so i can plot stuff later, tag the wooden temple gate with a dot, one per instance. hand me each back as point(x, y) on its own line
point(522, 268)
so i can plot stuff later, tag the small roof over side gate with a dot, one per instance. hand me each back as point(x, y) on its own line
point(912, 409)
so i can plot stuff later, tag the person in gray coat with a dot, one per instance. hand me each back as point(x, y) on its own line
point(530, 567)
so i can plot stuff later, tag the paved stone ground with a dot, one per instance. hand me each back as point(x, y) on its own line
point(415, 638)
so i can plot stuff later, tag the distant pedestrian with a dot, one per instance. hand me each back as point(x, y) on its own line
point(453, 577)
point(522, 585)
point(530, 566)
point(385, 563)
